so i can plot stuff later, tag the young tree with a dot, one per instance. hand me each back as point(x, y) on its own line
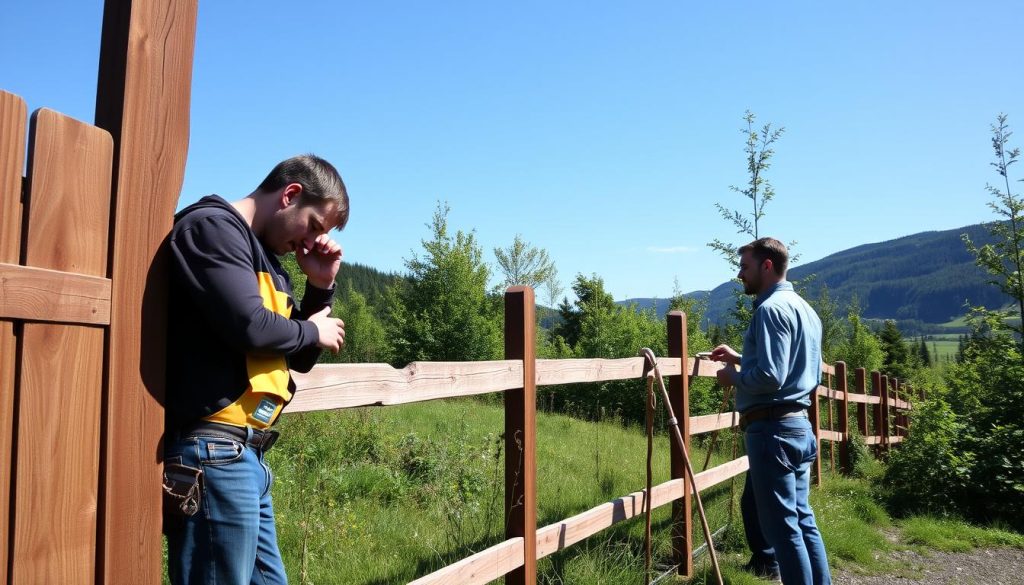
point(366, 340)
point(595, 327)
point(759, 153)
point(861, 348)
point(923, 353)
point(1004, 258)
point(524, 264)
point(897, 355)
point(443, 312)
point(759, 150)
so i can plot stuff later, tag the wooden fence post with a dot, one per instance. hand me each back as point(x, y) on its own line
point(860, 382)
point(844, 418)
point(143, 93)
point(876, 389)
point(884, 394)
point(679, 394)
point(901, 416)
point(831, 421)
point(814, 413)
point(521, 433)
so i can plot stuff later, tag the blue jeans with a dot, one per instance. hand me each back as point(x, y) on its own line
point(781, 452)
point(232, 539)
point(762, 559)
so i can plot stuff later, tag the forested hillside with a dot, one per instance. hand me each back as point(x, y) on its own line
point(926, 277)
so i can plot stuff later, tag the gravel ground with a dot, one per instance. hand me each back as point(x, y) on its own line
point(999, 566)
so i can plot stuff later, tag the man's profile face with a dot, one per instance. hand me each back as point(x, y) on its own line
point(298, 224)
point(750, 273)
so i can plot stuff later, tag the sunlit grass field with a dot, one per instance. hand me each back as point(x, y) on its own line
point(386, 495)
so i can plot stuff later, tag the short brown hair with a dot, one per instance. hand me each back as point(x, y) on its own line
point(319, 179)
point(769, 249)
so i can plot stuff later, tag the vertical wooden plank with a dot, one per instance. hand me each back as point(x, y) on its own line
point(142, 98)
point(860, 382)
point(521, 432)
point(831, 421)
point(814, 413)
point(13, 119)
point(878, 430)
point(61, 376)
point(901, 394)
point(844, 418)
point(884, 431)
point(679, 394)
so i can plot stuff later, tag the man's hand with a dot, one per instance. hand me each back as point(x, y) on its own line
point(332, 331)
point(724, 353)
point(727, 376)
point(321, 262)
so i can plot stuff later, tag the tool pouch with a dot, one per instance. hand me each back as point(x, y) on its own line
point(182, 488)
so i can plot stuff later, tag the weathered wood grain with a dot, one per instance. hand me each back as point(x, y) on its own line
point(143, 96)
point(482, 567)
point(13, 126)
point(713, 422)
point(349, 385)
point(60, 390)
point(38, 294)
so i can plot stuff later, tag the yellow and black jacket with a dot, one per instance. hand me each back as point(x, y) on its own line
point(233, 330)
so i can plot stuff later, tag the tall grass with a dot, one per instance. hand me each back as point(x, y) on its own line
point(386, 495)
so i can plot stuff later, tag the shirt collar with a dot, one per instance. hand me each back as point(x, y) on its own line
point(783, 285)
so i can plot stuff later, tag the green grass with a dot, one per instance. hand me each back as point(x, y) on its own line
point(386, 495)
point(954, 535)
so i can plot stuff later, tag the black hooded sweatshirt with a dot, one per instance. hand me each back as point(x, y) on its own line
point(233, 329)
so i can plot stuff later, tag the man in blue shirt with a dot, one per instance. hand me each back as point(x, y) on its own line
point(780, 369)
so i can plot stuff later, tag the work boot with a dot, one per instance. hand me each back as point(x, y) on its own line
point(763, 570)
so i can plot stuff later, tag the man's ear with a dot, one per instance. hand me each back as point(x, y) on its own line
point(769, 264)
point(290, 194)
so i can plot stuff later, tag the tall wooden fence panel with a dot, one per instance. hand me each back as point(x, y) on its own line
point(12, 160)
point(81, 305)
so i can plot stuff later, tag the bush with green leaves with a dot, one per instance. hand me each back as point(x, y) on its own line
point(931, 472)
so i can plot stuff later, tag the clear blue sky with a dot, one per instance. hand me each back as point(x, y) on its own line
point(601, 131)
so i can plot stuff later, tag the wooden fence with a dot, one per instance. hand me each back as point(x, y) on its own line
point(82, 311)
point(82, 329)
point(518, 376)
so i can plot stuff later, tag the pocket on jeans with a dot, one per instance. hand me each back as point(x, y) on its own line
point(793, 449)
point(220, 451)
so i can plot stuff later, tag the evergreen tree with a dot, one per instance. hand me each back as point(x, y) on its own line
point(442, 312)
point(861, 348)
point(897, 357)
point(524, 264)
point(366, 340)
point(925, 355)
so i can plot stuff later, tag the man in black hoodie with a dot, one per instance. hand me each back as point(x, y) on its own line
point(234, 332)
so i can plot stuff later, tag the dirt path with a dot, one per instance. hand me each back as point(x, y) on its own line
point(999, 566)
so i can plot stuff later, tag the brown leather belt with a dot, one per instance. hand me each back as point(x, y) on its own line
point(261, 440)
point(774, 412)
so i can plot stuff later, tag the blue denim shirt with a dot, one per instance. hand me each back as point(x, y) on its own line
point(781, 360)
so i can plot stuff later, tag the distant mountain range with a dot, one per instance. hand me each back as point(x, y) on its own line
point(919, 280)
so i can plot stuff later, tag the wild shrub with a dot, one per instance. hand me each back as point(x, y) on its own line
point(931, 472)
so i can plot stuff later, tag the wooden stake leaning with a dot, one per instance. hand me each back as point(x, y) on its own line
point(651, 372)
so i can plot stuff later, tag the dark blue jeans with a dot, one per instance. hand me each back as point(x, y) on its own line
point(232, 539)
point(762, 559)
point(781, 452)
